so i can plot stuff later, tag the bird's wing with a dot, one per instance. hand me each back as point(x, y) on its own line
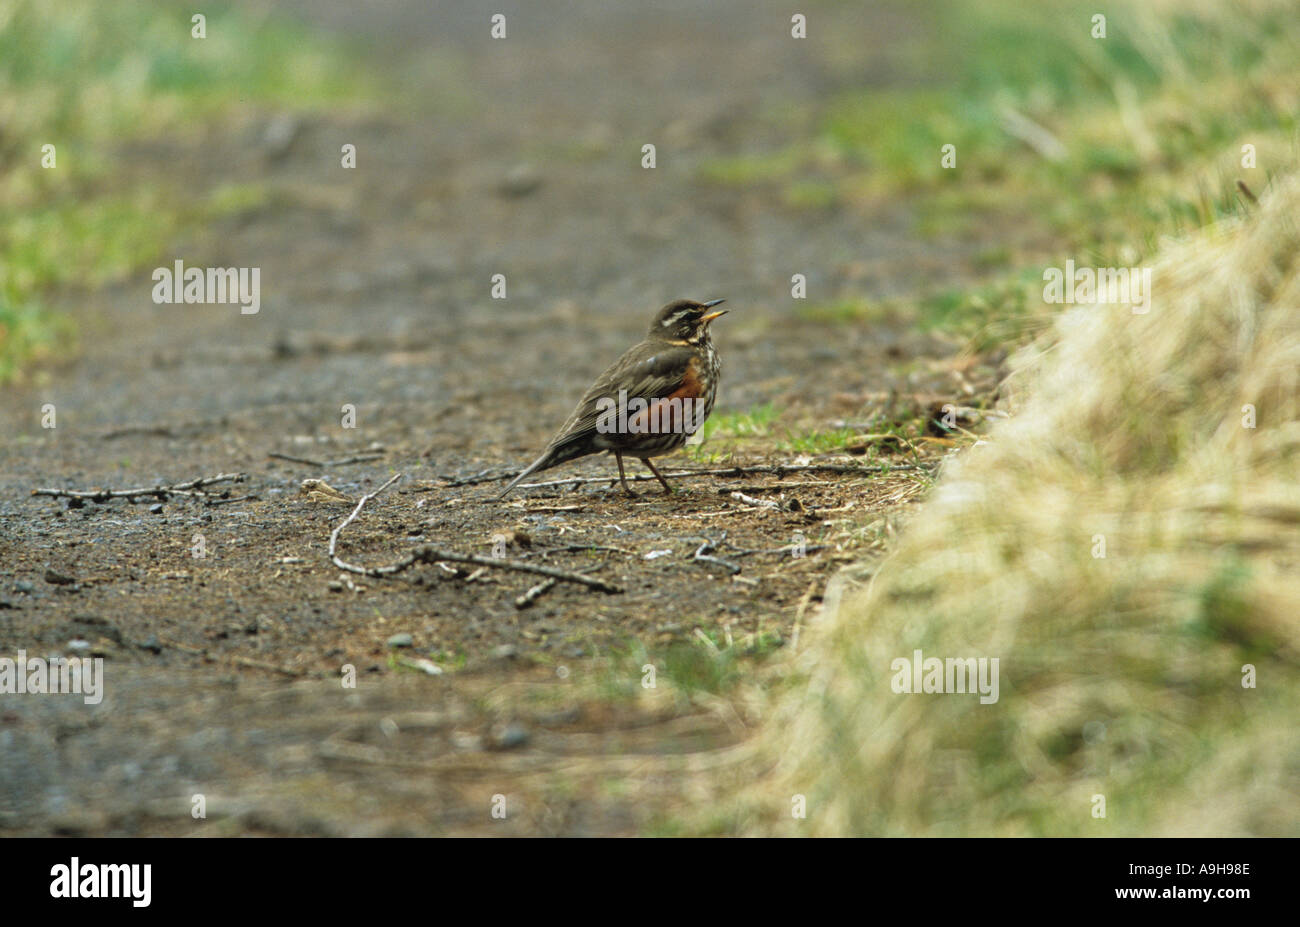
point(646, 373)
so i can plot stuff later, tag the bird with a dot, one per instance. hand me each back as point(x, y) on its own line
point(650, 401)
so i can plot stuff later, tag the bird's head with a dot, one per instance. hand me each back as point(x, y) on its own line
point(684, 320)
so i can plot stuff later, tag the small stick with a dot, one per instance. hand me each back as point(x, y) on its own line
point(190, 488)
point(757, 503)
point(773, 487)
point(162, 430)
point(700, 554)
point(778, 550)
point(434, 555)
point(569, 548)
point(535, 593)
point(490, 475)
point(302, 460)
point(158, 431)
point(718, 514)
point(428, 554)
point(778, 469)
point(220, 500)
point(366, 457)
point(358, 458)
point(334, 537)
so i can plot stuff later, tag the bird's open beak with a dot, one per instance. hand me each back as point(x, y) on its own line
point(713, 315)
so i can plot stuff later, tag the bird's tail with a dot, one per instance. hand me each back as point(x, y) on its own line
point(553, 456)
point(538, 464)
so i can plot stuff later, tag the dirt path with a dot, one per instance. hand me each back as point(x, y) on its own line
point(519, 157)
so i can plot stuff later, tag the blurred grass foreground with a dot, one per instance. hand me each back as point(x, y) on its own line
point(1126, 545)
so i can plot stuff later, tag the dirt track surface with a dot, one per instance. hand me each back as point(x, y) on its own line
point(223, 672)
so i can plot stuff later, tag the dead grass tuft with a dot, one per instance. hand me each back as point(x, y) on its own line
point(1120, 675)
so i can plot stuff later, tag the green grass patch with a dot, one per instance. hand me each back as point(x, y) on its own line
point(723, 432)
point(742, 170)
point(1120, 107)
point(711, 661)
point(817, 442)
point(810, 194)
point(754, 423)
point(848, 311)
point(27, 333)
point(1007, 310)
point(1065, 143)
point(89, 78)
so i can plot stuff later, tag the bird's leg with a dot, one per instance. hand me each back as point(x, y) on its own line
point(659, 476)
point(621, 478)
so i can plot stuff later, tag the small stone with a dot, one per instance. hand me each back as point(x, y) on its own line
point(24, 586)
point(335, 586)
point(463, 740)
point(560, 717)
point(156, 508)
point(401, 640)
point(79, 645)
point(428, 667)
point(505, 652)
point(279, 134)
point(151, 644)
point(522, 180)
point(55, 578)
point(509, 736)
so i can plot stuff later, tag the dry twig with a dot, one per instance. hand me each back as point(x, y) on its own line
point(777, 469)
point(708, 545)
point(366, 457)
point(787, 549)
point(570, 548)
point(535, 593)
point(196, 488)
point(757, 503)
point(429, 554)
point(490, 475)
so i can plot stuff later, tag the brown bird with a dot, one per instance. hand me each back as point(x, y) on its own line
point(650, 402)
